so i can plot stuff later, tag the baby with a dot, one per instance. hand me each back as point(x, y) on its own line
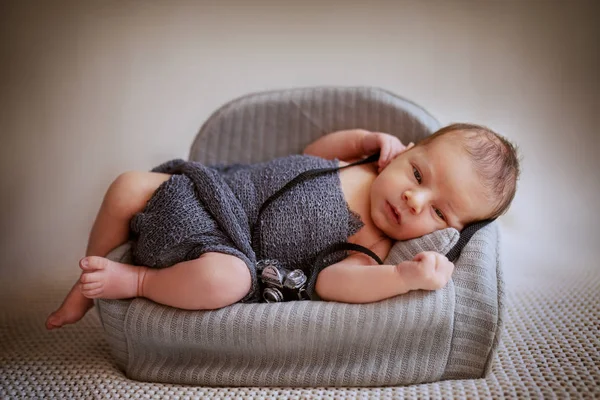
point(461, 174)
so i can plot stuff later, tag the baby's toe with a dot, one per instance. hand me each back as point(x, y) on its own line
point(92, 285)
point(93, 293)
point(53, 322)
point(90, 277)
point(93, 263)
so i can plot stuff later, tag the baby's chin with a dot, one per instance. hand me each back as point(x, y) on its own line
point(382, 223)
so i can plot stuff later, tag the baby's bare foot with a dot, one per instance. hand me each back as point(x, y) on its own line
point(106, 279)
point(71, 310)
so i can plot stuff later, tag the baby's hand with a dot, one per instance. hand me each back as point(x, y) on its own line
point(389, 147)
point(428, 271)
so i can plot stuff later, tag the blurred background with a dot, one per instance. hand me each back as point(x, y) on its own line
point(91, 89)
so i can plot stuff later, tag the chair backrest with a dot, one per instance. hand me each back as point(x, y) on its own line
point(266, 125)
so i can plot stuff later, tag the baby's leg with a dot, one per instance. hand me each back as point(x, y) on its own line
point(125, 197)
point(212, 281)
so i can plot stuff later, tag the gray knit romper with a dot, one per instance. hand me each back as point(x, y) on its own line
point(204, 209)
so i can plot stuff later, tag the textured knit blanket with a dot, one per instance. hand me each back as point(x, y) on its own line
point(216, 209)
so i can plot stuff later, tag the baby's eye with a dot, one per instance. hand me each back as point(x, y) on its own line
point(417, 175)
point(439, 214)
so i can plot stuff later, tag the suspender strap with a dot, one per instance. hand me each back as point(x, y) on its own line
point(303, 176)
point(311, 173)
point(465, 235)
point(343, 246)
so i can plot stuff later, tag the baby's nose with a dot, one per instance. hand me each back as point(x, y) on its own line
point(414, 200)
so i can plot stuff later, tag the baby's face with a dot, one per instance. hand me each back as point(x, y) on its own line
point(426, 189)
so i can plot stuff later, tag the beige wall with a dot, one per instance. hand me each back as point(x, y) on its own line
point(90, 89)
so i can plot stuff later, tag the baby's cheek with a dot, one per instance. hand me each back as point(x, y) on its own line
point(417, 228)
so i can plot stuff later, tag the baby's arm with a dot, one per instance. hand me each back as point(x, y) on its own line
point(352, 144)
point(356, 280)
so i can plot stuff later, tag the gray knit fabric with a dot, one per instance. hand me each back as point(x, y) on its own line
point(399, 341)
point(267, 125)
point(138, 346)
point(407, 339)
point(419, 337)
point(204, 209)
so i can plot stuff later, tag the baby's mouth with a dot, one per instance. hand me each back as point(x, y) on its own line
point(393, 211)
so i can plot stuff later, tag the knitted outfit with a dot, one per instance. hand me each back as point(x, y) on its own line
point(214, 209)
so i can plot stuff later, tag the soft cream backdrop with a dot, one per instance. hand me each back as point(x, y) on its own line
point(91, 89)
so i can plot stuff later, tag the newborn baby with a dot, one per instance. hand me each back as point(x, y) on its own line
point(460, 175)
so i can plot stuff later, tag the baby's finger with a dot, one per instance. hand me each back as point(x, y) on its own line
point(384, 155)
point(386, 161)
point(381, 165)
point(418, 257)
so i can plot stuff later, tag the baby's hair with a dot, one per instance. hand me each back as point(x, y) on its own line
point(495, 159)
